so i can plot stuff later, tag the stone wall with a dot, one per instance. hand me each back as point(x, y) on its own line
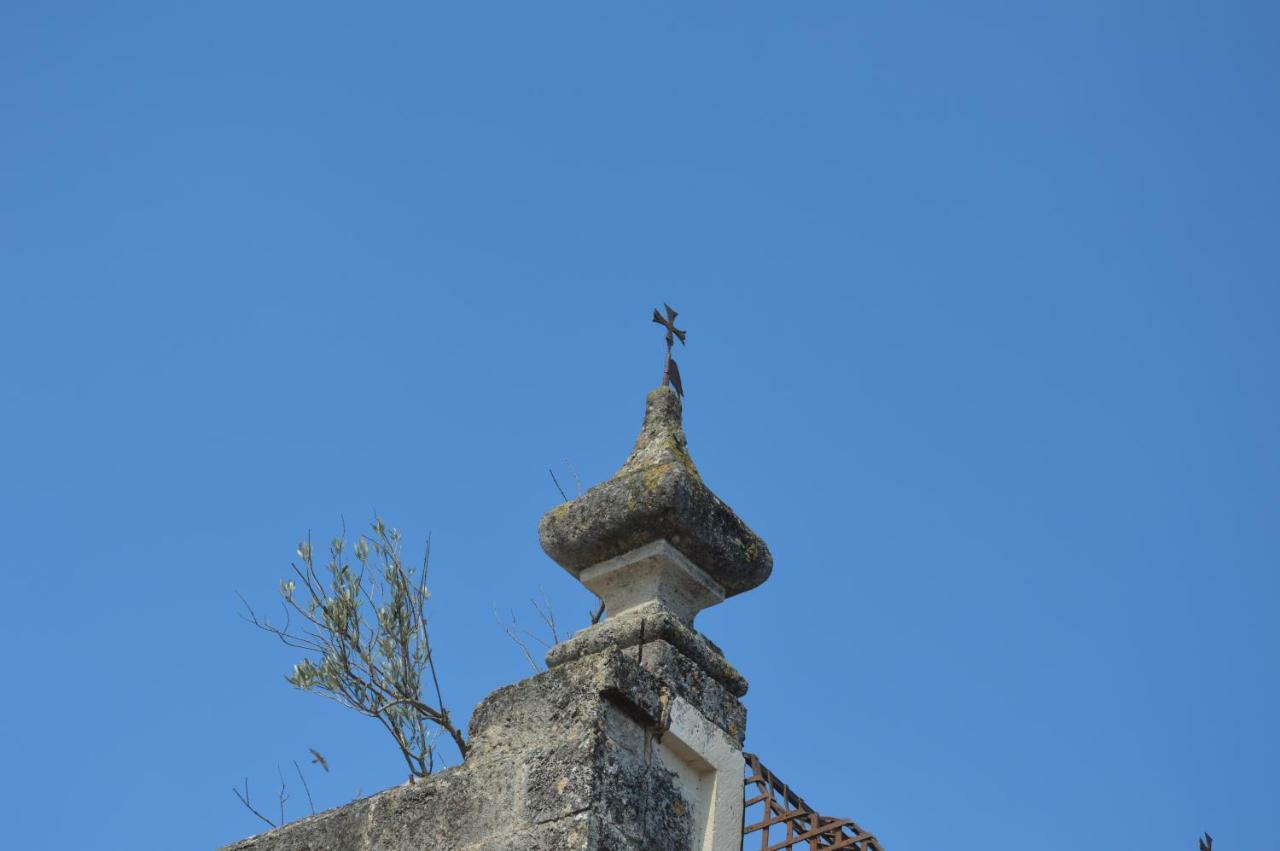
point(582, 756)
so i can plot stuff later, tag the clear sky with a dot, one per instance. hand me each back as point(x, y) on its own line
point(982, 307)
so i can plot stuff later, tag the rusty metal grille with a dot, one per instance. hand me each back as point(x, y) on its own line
point(784, 822)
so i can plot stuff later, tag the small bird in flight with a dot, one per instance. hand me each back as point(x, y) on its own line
point(319, 759)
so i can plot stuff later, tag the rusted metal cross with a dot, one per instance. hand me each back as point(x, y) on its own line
point(670, 372)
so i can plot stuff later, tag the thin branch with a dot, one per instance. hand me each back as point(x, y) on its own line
point(577, 481)
point(444, 722)
point(422, 624)
point(284, 796)
point(514, 636)
point(244, 799)
point(539, 639)
point(429, 711)
point(597, 614)
point(557, 484)
point(548, 615)
point(310, 803)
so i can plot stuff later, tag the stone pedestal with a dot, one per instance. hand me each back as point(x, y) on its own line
point(656, 573)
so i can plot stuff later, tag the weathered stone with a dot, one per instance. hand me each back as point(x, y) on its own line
point(656, 573)
point(657, 495)
point(705, 693)
point(563, 760)
point(647, 624)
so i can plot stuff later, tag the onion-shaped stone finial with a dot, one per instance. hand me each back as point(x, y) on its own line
point(657, 496)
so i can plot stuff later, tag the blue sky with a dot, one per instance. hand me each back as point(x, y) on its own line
point(981, 301)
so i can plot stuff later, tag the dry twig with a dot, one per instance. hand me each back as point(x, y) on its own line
point(548, 616)
point(244, 799)
point(577, 481)
point(284, 795)
point(305, 787)
point(513, 632)
point(557, 484)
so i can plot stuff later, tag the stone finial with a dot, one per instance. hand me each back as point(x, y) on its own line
point(655, 533)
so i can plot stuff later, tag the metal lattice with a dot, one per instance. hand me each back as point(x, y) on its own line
point(784, 822)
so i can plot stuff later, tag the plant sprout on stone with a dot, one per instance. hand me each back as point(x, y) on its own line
point(363, 626)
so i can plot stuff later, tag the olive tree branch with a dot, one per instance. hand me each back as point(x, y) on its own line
point(365, 638)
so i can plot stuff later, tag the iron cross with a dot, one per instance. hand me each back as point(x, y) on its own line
point(670, 372)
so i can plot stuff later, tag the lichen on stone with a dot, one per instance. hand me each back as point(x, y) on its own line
point(657, 494)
